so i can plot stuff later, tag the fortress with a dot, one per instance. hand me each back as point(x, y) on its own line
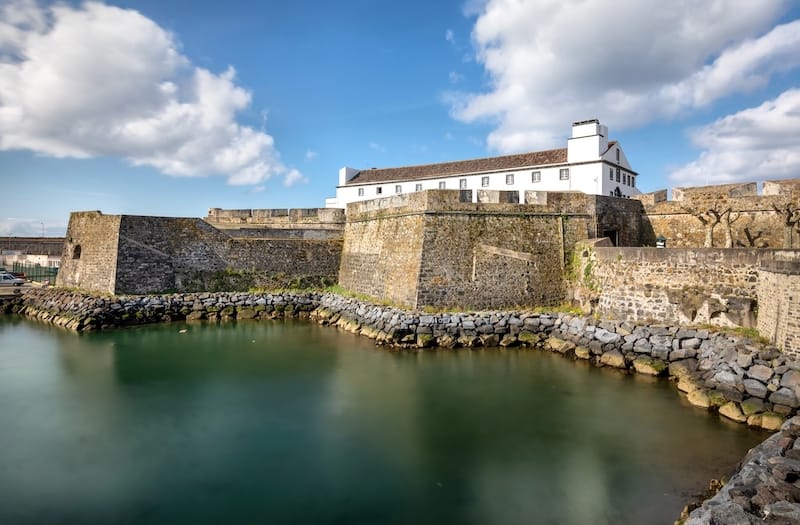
point(732, 256)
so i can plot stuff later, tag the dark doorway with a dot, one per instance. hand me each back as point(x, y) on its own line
point(613, 235)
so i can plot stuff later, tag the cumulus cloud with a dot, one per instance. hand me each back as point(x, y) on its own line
point(552, 62)
point(97, 80)
point(294, 177)
point(311, 155)
point(758, 143)
point(450, 36)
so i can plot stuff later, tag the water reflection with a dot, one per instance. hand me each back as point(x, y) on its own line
point(291, 422)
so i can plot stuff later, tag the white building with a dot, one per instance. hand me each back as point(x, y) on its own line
point(590, 163)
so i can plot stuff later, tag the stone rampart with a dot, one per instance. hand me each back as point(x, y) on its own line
point(32, 245)
point(136, 254)
point(685, 286)
point(725, 216)
point(282, 218)
point(89, 259)
point(432, 249)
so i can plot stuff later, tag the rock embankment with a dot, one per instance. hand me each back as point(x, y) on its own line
point(766, 488)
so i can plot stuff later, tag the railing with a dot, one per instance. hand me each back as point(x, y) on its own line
point(35, 272)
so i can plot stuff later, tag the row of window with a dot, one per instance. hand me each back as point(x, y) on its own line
point(536, 176)
point(625, 178)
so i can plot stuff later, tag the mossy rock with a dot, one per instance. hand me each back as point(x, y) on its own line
point(649, 366)
point(581, 352)
point(699, 398)
point(227, 311)
point(752, 405)
point(733, 411)
point(246, 313)
point(425, 340)
point(717, 398)
point(528, 338)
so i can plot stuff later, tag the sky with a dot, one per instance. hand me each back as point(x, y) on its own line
point(170, 108)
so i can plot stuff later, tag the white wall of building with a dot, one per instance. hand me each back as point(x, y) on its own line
point(592, 169)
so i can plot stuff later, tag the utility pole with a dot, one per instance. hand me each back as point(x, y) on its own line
point(42, 223)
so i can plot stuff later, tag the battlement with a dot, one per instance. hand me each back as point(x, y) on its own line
point(296, 218)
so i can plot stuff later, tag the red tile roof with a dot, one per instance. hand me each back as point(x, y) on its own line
point(461, 167)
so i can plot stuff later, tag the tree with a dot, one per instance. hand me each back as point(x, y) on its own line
point(789, 212)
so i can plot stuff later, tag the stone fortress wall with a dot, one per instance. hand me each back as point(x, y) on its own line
point(437, 249)
point(298, 223)
point(32, 245)
point(725, 216)
point(135, 254)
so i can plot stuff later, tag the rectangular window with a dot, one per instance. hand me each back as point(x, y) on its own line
point(378, 190)
point(617, 154)
point(462, 184)
point(633, 181)
point(360, 192)
point(611, 174)
point(563, 174)
point(442, 185)
point(536, 176)
point(509, 178)
point(418, 187)
point(484, 182)
point(617, 174)
point(398, 188)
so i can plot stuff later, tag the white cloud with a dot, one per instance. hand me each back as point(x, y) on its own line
point(760, 143)
point(294, 177)
point(29, 227)
point(377, 147)
point(450, 36)
point(552, 62)
point(455, 77)
point(97, 80)
point(311, 155)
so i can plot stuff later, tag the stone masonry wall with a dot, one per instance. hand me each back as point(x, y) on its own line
point(779, 301)
point(89, 259)
point(33, 245)
point(382, 247)
point(298, 218)
point(682, 286)
point(731, 215)
point(430, 249)
point(136, 254)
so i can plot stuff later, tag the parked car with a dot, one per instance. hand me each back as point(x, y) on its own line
point(6, 279)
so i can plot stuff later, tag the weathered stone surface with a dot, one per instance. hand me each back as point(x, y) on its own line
point(752, 405)
point(732, 411)
point(784, 396)
point(604, 336)
point(755, 388)
point(649, 366)
point(791, 379)
point(559, 345)
point(613, 359)
point(581, 352)
point(699, 398)
point(760, 372)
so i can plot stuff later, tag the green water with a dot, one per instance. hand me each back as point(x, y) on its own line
point(280, 422)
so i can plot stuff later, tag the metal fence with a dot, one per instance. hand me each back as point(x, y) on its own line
point(35, 272)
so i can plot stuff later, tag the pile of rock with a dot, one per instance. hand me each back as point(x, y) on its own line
point(766, 489)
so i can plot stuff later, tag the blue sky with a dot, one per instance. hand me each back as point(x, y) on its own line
point(171, 108)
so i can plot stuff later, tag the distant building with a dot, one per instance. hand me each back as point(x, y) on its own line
point(590, 163)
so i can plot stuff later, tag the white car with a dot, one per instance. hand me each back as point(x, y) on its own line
point(6, 279)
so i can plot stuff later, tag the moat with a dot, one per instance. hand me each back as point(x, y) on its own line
point(292, 422)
